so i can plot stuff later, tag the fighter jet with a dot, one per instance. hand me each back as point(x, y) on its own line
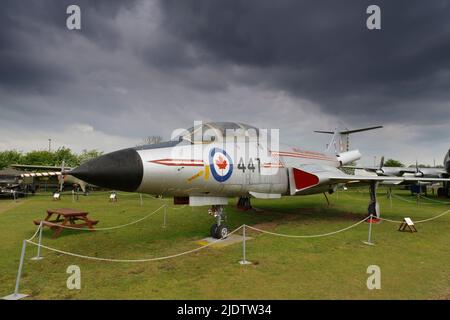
point(210, 162)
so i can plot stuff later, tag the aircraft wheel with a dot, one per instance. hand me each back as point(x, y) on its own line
point(213, 230)
point(222, 232)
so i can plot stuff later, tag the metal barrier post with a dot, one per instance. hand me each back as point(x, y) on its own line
point(141, 201)
point(369, 240)
point(16, 295)
point(244, 258)
point(38, 256)
point(165, 218)
point(390, 196)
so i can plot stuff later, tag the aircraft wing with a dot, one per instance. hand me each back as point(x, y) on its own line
point(399, 169)
point(358, 178)
point(38, 167)
point(310, 177)
point(360, 168)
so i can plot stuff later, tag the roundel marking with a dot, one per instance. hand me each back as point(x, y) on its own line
point(220, 164)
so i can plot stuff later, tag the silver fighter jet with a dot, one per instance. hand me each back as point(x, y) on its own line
point(210, 162)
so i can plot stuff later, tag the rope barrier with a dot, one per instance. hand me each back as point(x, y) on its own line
point(410, 201)
point(108, 228)
point(36, 233)
point(308, 236)
point(349, 196)
point(132, 260)
point(389, 220)
point(182, 207)
point(432, 218)
point(197, 249)
point(419, 221)
point(16, 295)
point(434, 200)
point(190, 251)
point(405, 200)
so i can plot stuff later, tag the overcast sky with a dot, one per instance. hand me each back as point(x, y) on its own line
point(140, 68)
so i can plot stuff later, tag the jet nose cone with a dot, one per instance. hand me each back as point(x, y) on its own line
point(119, 170)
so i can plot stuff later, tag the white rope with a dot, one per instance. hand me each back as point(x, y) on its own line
point(419, 221)
point(433, 200)
point(107, 228)
point(35, 234)
point(182, 207)
point(211, 243)
point(435, 217)
point(132, 260)
point(351, 197)
point(389, 220)
point(308, 236)
point(405, 200)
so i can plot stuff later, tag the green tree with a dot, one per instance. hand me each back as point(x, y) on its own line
point(38, 157)
point(65, 154)
point(9, 157)
point(393, 163)
point(88, 154)
point(48, 158)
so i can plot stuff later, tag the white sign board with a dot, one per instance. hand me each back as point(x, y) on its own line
point(408, 221)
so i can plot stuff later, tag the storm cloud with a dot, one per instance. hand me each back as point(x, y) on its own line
point(139, 68)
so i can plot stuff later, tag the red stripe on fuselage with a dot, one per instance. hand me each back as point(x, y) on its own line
point(179, 162)
point(303, 155)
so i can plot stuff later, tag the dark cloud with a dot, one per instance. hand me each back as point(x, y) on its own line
point(141, 67)
point(323, 51)
point(29, 30)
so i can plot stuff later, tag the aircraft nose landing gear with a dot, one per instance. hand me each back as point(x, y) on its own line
point(219, 230)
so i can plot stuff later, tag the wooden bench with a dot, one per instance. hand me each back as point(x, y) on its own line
point(66, 218)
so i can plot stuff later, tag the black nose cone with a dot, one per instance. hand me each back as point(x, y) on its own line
point(119, 170)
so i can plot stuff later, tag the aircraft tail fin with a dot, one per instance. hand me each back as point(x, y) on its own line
point(340, 142)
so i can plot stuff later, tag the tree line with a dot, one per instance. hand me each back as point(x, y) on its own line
point(46, 158)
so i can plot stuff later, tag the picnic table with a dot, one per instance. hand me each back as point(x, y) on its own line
point(66, 217)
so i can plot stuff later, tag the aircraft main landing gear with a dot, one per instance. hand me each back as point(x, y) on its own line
point(244, 203)
point(219, 230)
point(374, 207)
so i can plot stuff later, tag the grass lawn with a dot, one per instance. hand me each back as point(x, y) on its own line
point(413, 266)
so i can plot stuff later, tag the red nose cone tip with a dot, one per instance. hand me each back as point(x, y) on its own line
point(119, 170)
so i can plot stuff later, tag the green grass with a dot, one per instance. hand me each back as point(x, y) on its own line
point(413, 266)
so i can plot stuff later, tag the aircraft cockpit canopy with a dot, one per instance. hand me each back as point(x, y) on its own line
point(219, 132)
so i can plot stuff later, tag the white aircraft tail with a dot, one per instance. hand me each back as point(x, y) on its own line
point(340, 142)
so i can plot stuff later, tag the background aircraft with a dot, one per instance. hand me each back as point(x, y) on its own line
point(416, 171)
point(213, 161)
point(12, 185)
point(343, 144)
point(59, 172)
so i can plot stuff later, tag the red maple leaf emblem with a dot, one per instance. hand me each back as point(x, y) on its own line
point(221, 163)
